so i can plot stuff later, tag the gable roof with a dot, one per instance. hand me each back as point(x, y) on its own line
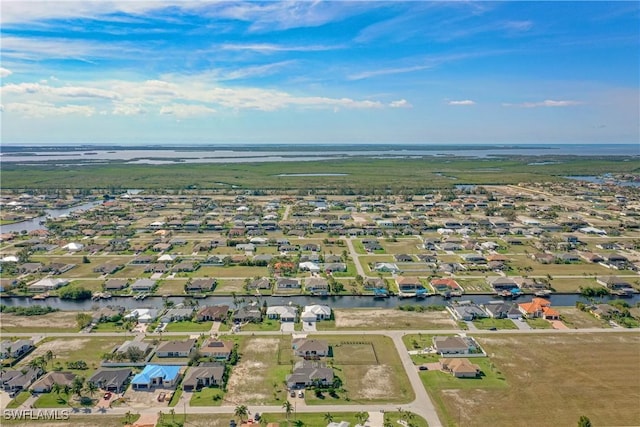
point(167, 373)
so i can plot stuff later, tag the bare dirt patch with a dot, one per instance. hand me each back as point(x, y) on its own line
point(374, 383)
point(60, 348)
point(247, 380)
point(148, 399)
point(392, 319)
point(57, 320)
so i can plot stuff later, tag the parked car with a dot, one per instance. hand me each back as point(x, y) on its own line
point(107, 395)
point(293, 393)
point(301, 393)
point(423, 368)
point(256, 416)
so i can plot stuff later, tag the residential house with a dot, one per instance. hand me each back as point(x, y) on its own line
point(316, 285)
point(500, 283)
point(200, 285)
point(446, 285)
point(309, 373)
point(203, 375)
point(115, 284)
point(182, 348)
point(286, 283)
point(47, 284)
point(316, 312)
point(142, 347)
point(16, 380)
point(247, 313)
point(185, 266)
point(614, 283)
point(108, 268)
point(215, 312)
point(260, 283)
point(309, 266)
point(502, 310)
point(216, 349)
point(177, 315)
point(460, 368)
point(410, 286)
point(142, 315)
point(386, 267)
point(114, 380)
point(152, 376)
point(454, 345)
point(286, 313)
point(310, 348)
point(604, 311)
point(15, 349)
point(143, 285)
point(45, 384)
point(539, 308)
point(331, 267)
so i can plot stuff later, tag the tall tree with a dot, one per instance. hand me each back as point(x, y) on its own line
point(288, 408)
point(241, 411)
point(328, 417)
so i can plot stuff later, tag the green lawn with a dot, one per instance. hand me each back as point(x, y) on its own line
point(188, 326)
point(207, 396)
point(52, 400)
point(488, 323)
point(267, 325)
point(19, 400)
point(538, 323)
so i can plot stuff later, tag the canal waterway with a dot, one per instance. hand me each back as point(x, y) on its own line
point(341, 301)
point(38, 222)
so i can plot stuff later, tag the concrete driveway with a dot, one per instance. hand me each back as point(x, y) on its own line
point(288, 327)
point(309, 326)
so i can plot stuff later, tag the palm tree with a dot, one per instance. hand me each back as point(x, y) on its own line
point(288, 408)
point(298, 423)
point(56, 388)
point(328, 417)
point(48, 356)
point(241, 411)
point(91, 388)
point(362, 417)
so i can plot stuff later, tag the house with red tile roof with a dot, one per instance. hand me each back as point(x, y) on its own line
point(539, 308)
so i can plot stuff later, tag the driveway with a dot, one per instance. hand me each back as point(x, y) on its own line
point(288, 327)
point(521, 324)
point(309, 326)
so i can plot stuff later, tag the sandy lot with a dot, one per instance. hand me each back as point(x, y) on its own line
point(248, 376)
point(58, 320)
point(393, 319)
point(147, 399)
point(60, 348)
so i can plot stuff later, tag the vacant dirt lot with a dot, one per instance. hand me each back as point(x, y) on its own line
point(60, 348)
point(58, 321)
point(148, 399)
point(392, 319)
point(561, 376)
point(248, 382)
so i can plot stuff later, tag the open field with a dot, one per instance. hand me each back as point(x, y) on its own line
point(75, 420)
point(375, 319)
point(370, 369)
point(551, 375)
point(257, 378)
point(64, 350)
point(60, 321)
point(575, 318)
point(359, 174)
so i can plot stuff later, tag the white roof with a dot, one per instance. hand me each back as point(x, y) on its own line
point(167, 257)
point(318, 309)
point(311, 266)
point(281, 310)
point(10, 258)
point(73, 246)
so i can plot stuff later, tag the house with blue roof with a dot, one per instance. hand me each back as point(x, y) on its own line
point(156, 376)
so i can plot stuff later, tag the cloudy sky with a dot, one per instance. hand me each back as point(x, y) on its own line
point(311, 71)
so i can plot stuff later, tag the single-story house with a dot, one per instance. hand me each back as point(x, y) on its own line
point(313, 313)
point(204, 375)
point(166, 376)
point(141, 346)
point(143, 315)
point(603, 311)
point(307, 373)
point(177, 315)
point(114, 380)
point(309, 266)
point(17, 380)
point(467, 310)
point(286, 283)
point(217, 349)
point(286, 313)
point(316, 285)
point(261, 283)
point(47, 284)
point(502, 310)
point(115, 284)
point(247, 313)
point(143, 285)
point(460, 368)
point(310, 348)
point(453, 345)
point(200, 285)
point(213, 312)
point(387, 267)
point(445, 285)
point(45, 384)
point(15, 349)
point(182, 348)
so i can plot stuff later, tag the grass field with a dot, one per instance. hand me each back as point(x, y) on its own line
point(360, 174)
point(61, 321)
point(539, 323)
point(90, 350)
point(489, 322)
point(380, 379)
point(575, 318)
point(18, 400)
point(559, 376)
point(188, 326)
point(376, 319)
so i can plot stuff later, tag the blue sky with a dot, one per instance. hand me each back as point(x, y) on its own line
point(320, 72)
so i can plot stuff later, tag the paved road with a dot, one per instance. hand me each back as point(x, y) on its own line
point(355, 257)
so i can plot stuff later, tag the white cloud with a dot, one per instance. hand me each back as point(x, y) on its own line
point(387, 71)
point(43, 109)
point(545, 103)
point(121, 109)
point(63, 91)
point(4, 72)
point(401, 103)
point(270, 48)
point(462, 102)
point(186, 110)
